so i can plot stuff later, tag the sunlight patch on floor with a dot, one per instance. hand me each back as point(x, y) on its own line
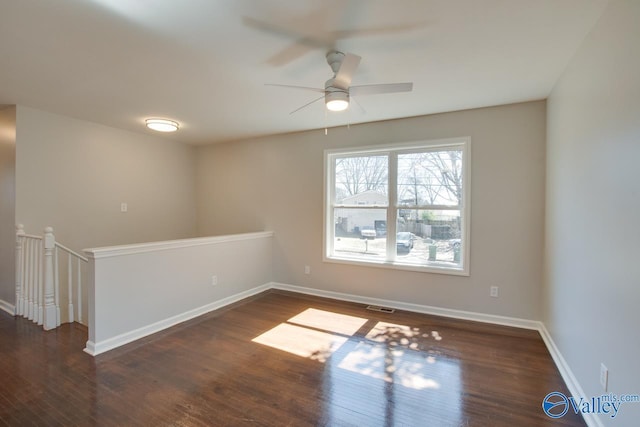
point(301, 341)
point(390, 352)
point(385, 332)
point(328, 321)
point(395, 365)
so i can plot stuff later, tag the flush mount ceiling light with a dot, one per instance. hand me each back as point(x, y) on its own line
point(162, 125)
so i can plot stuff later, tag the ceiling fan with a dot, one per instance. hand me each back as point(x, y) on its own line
point(338, 91)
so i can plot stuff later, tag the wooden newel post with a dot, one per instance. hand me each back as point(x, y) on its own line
point(50, 317)
point(19, 291)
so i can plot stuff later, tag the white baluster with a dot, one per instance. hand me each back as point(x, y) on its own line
point(70, 283)
point(30, 270)
point(49, 306)
point(25, 277)
point(19, 287)
point(35, 247)
point(56, 285)
point(79, 290)
point(39, 262)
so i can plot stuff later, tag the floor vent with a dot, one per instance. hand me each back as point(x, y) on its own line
point(381, 309)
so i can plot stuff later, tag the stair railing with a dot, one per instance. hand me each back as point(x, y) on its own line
point(38, 277)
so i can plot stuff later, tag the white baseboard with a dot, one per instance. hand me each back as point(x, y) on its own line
point(565, 371)
point(9, 308)
point(570, 380)
point(417, 308)
point(94, 349)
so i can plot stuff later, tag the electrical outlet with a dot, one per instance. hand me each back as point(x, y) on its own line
point(604, 376)
point(214, 280)
point(124, 207)
point(307, 269)
point(493, 291)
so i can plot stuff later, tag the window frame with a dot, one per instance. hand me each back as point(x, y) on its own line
point(392, 207)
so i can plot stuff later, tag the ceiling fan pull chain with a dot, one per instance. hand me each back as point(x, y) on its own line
point(326, 131)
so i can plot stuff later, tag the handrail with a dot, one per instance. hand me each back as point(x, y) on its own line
point(31, 236)
point(71, 251)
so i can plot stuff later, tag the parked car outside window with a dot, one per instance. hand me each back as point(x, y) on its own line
point(404, 241)
point(455, 243)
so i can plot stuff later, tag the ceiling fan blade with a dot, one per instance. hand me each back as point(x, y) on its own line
point(347, 70)
point(314, 89)
point(306, 105)
point(381, 88)
point(302, 44)
point(375, 31)
point(355, 101)
point(289, 54)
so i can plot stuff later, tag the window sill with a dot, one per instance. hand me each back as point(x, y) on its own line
point(436, 268)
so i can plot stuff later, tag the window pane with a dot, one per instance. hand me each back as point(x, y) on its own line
point(360, 233)
point(361, 180)
point(428, 208)
point(429, 236)
point(430, 178)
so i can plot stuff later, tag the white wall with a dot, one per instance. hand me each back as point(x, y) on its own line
point(73, 175)
point(276, 183)
point(7, 207)
point(592, 291)
point(136, 290)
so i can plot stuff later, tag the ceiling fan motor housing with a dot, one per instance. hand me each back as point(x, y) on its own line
point(334, 59)
point(332, 93)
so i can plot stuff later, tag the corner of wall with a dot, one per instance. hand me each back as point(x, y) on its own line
point(7, 207)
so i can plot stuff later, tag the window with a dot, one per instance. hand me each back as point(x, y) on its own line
point(400, 206)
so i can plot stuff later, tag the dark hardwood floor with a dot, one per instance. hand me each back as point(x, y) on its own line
point(282, 359)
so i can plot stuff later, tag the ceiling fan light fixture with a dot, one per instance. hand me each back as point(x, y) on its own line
point(162, 125)
point(336, 101)
point(337, 105)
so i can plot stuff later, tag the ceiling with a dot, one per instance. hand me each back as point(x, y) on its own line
point(205, 63)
